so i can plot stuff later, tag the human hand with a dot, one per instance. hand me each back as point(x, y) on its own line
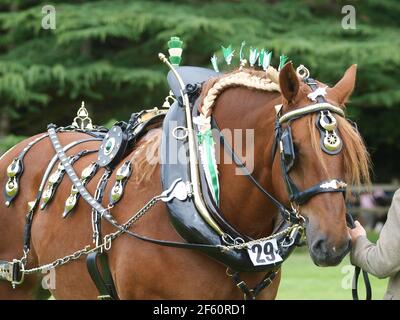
point(358, 231)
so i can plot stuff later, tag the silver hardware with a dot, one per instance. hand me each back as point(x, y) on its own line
point(177, 190)
point(227, 239)
point(82, 120)
point(285, 245)
point(319, 92)
point(110, 145)
point(291, 237)
point(302, 72)
point(124, 171)
point(332, 141)
point(167, 103)
point(310, 109)
point(14, 168)
point(180, 137)
point(329, 125)
point(12, 187)
point(333, 184)
point(230, 242)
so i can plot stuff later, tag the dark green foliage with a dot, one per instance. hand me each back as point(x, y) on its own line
point(105, 52)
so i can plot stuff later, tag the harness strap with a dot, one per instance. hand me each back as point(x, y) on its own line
point(251, 294)
point(357, 270)
point(96, 215)
point(19, 161)
point(101, 277)
point(60, 153)
point(29, 216)
point(286, 214)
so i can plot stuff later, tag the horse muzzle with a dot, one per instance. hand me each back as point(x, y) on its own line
point(324, 250)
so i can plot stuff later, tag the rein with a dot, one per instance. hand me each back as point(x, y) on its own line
point(289, 215)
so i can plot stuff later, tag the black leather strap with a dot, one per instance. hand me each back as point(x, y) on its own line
point(29, 216)
point(357, 270)
point(101, 277)
point(354, 289)
point(286, 214)
point(251, 294)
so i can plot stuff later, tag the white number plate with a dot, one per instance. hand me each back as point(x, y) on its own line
point(264, 252)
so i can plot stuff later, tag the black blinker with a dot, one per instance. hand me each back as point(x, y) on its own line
point(288, 152)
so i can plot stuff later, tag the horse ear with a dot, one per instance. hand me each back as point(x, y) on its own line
point(345, 86)
point(288, 82)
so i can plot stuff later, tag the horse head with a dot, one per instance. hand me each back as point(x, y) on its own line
point(315, 162)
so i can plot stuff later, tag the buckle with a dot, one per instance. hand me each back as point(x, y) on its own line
point(6, 271)
point(13, 272)
point(105, 297)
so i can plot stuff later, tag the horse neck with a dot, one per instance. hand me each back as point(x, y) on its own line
point(242, 204)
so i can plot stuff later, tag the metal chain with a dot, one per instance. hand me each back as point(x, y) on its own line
point(105, 245)
point(249, 243)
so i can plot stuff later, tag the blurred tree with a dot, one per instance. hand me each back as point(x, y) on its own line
point(105, 52)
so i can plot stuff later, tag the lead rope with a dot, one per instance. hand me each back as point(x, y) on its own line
point(357, 271)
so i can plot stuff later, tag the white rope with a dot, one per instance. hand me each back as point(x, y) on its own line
point(241, 78)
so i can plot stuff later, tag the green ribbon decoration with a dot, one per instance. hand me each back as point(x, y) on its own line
point(282, 60)
point(206, 140)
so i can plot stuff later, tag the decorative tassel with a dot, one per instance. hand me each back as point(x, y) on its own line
point(209, 163)
point(253, 56)
point(175, 46)
point(267, 60)
point(241, 57)
point(282, 60)
point(261, 57)
point(228, 54)
point(214, 62)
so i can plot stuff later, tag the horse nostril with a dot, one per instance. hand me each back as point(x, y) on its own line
point(319, 246)
point(324, 255)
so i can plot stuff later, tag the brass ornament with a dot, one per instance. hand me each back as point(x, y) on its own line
point(48, 192)
point(82, 120)
point(116, 192)
point(87, 174)
point(31, 205)
point(124, 171)
point(122, 175)
point(52, 184)
point(332, 141)
point(70, 204)
point(328, 121)
point(11, 187)
point(14, 168)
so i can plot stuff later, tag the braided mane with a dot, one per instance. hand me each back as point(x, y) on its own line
point(260, 80)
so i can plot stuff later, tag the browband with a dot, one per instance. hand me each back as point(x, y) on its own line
point(310, 109)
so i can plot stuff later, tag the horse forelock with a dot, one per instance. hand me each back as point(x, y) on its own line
point(357, 162)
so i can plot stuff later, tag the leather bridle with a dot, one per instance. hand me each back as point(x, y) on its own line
point(284, 142)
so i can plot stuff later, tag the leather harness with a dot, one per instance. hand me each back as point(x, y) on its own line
point(202, 237)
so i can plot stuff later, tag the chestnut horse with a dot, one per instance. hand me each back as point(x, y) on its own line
point(142, 270)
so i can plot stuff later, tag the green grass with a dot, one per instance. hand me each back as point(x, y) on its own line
point(302, 280)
